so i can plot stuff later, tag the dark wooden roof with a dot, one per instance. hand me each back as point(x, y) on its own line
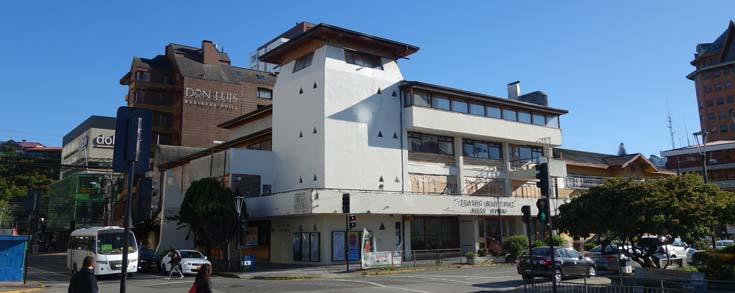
point(215, 149)
point(265, 110)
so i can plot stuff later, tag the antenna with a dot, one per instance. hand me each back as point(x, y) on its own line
point(671, 128)
point(686, 130)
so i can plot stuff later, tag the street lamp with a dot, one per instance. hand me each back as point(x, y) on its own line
point(702, 151)
point(239, 199)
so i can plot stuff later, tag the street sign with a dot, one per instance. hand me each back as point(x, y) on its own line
point(132, 139)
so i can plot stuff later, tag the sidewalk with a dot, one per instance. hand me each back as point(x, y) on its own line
point(20, 287)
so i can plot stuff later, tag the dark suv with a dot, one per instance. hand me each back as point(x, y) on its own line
point(569, 263)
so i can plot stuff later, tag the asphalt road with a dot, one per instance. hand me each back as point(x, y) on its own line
point(50, 270)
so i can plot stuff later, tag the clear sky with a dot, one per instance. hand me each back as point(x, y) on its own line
point(614, 65)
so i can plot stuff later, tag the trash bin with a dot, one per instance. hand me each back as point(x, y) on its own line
point(247, 263)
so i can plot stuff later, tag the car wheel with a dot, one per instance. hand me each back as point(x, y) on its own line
point(673, 256)
point(558, 275)
point(591, 272)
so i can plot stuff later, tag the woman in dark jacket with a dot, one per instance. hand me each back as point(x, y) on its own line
point(202, 282)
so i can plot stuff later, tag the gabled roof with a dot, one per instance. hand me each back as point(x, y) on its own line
point(217, 148)
point(598, 160)
point(325, 31)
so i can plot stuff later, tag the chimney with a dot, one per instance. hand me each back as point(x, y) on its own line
point(209, 52)
point(514, 89)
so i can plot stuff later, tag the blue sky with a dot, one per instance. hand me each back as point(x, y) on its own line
point(613, 65)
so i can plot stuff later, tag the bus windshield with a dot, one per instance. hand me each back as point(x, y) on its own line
point(112, 243)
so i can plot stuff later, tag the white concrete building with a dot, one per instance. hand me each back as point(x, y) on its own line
point(425, 166)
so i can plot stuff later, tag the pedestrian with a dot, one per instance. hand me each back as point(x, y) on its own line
point(84, 281)
point(202, 283)
point(175, 262)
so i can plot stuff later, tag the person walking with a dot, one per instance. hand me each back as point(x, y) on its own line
point(202, 283)
point(175, 262)
point(84, 281)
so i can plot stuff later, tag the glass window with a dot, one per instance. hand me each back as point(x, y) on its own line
point(414, 141)
point(711, 116)
point(459, 106)
point(524, 117)
point(446, 145)
point(428, 143)
point(303, 62)
point(468, 148)
point(730, 99)
point(723, 128)
point(421, 99)
point(720, 101)
point(440, 102)
point(718, 87)
point(264, 93)
point(493, 112)
point(552, 121)
point(363, 59)
point(710, 103)
point(509, 114)
point(481, 149)
point(112, 243)
point(143, 75)
point(477, 109)
point(494, 151)
point(708, 89)
point(539, 119)
point(722, 115)
point(407, 101)
point(572, 253)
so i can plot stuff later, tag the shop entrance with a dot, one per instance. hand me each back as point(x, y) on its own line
point(434, 233)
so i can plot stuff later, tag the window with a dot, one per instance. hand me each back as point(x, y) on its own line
point(716, 73)
point(706, 75)
point(723, 128)
point(710, 103)
point(722, 115)
point(482, 149)
point(711, 116)
point(477, 109)
point(509, 114)
point(264, 93)
point(524, 117)
point(440, 102)
point(303, 62)
point(730, 99)
point(539, 119)
point(161, 119)
point(306, 246)
point(726, 71)
point(428, 143)
point(143, 75)
point(260, 76)
point(421, 99)
point(492, 111)
point(720, 101)
point(525, 153)
point(552, 121)
point(708, 89)
point(718, 87)
point(362, 59)
point(728, 84)
point(459, 106)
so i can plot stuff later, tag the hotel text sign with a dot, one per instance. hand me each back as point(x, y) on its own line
point(489, 206)
point(210, 99)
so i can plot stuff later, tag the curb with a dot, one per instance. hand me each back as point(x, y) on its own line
point(25, 290)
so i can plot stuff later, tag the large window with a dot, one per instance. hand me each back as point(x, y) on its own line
point(552, 121)
point(428, 143)
point(306, 246)
point(493, 112)
point(434, 232)
point(526, 153)
point(440, 102)
point(524, 117)
point(153, 98)
point(482, 149)
point(303, 62)
point(143, 75)
point(421, 99)
point(265, 93)
point(459, 106)
point(509, 114)
point(539, 119)
point(477, 109)
point(161, 119)
point(362, 59)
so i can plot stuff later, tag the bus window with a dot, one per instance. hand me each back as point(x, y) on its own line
point(112, 243)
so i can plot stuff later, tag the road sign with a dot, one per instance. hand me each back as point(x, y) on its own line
point(132, 139)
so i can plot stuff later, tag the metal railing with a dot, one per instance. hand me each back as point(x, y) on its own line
point(583, 182)
point(524, 164)
point(569, 287)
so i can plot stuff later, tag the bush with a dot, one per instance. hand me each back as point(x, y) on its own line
point(471, 255)
point(727, 249)
point(589, 245)
point(556, 240)
point(700, 258)
point(482, 252)
point(720, 266)
point(538, 243)
point(514, 246)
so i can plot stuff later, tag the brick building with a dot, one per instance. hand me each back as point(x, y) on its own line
point(720, 161)
point(713, 78)
point(191, 90)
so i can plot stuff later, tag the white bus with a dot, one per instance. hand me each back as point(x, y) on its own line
point(105, 244)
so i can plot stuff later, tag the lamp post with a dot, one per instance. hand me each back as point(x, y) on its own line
point(703, 151)
point(238, 208)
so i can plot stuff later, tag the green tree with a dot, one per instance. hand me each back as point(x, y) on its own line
point(208, 211)
point(627, 210)
point(20, 173)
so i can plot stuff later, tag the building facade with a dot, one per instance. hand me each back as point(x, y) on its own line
point(257, 64)
point(190, 90)
point(713, 78)
point(720, 158)
point(425, 166)
point(89, 145)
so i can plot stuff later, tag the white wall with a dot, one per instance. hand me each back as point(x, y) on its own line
point(451, 123)
point(355, 114)
point(295, 113)
point(252, 162)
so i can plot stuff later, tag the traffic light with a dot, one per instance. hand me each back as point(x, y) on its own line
point(543, 178)
point(526, 210)
point(543, 210)
point(353, 221)
point(345, 203)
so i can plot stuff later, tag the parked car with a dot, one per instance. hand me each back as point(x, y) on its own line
point(148, 260)
point(724, 243)
point(677, 249)
point(191, 261)
point(568, 263)
point(607, 259)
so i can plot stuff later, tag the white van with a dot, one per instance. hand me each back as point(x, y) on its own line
point(105, 244)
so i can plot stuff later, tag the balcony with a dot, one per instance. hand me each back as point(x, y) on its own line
point(587, 182)
point(454, 123)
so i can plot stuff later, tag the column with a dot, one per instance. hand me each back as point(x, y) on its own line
point(408, 252)
point(469, 234)
point(458, 157)
point(508, 182)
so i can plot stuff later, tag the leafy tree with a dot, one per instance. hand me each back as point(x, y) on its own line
point(208, 211)
point(20, 172)
point(627, 210)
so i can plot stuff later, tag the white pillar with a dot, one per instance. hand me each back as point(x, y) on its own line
point(458, 157)
point(469, 234)
point(407, 238)
point(508, 182)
